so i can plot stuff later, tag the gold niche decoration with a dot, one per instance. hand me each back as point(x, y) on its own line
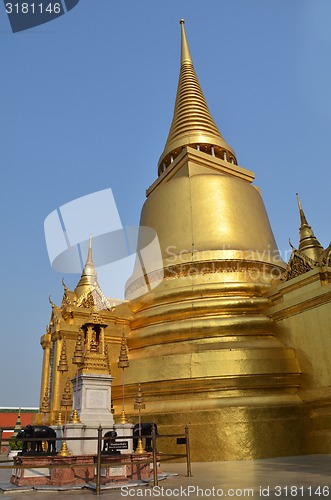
point(78, 357)
point(66, 396)
point(45, 403)
point(94, 356)
point(63, 363)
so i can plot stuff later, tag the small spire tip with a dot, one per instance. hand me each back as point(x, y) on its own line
point(182, 21)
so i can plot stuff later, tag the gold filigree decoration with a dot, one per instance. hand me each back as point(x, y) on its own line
point(297, 266)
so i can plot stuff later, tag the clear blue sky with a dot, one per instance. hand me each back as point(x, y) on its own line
point(86, 104)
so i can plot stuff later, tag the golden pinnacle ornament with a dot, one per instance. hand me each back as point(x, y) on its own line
point(74, 419)
point(123, 362)
point(78, 357)
point(59, 420)
point(66, 396)
point(45, 403)
point(139, 405)
point(63, 363)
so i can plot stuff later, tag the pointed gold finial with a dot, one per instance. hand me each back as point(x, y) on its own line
point(192, 123)
point(89, 276)
point(303, 219)
point(89, 253)
point(309, 244)
point(185, 51)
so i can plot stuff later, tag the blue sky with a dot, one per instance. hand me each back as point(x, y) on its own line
point(86, 104)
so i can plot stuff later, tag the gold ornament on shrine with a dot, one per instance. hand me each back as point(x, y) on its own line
point(78, 357)
point(63, 363)
point(45, 403)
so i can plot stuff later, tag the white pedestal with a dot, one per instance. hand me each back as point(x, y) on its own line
point(76, 431)
point(125, 430)
point(84, 447)
point(92, 393)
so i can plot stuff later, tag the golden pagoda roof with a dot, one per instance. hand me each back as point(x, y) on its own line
point(309, 244)
point(192, 123)
point(89, 276)
point(310, 253)
point(88, 292)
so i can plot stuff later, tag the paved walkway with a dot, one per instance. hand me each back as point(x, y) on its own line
point(288, 478)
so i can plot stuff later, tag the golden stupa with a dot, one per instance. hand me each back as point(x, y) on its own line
point(232, 341)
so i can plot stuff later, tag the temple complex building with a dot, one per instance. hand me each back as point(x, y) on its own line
point(232, 341)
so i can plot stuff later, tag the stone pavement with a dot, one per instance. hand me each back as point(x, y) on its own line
point(291, 477)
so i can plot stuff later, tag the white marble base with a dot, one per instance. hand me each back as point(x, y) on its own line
point(84, 447)
point(92, 394)
point(125, 430)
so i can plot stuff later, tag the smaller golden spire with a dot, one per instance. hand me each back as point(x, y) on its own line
point(139, 405)
point(63, 363)
point(139, 400)
point(123, 362)
point(89, 276)
point(309, 244)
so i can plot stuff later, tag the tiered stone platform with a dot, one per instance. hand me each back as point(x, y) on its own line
point(79, 469)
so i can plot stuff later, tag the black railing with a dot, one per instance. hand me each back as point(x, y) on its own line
point(132, 457)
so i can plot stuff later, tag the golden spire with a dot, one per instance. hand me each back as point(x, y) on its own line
point(89, 276)
point(139, 400)
point(192, 123)
point(309, 244)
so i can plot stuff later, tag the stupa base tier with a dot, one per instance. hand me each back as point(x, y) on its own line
point(80, 469)
point(236, 432)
